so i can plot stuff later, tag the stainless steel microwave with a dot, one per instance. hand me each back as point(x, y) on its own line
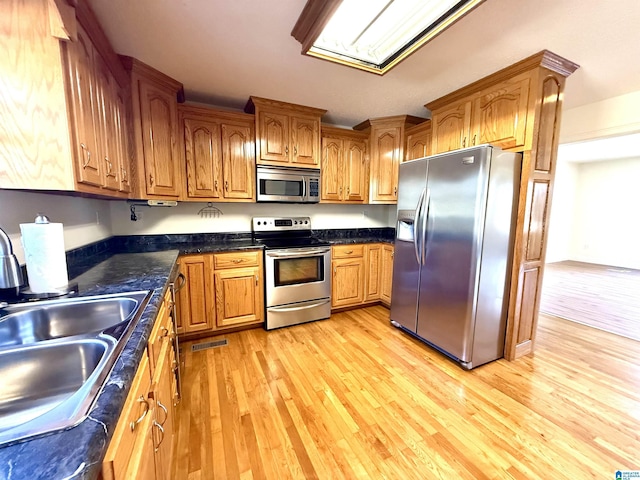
point(287, 185)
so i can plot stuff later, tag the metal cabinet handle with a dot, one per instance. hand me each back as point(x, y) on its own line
point(123, 172)
point(133, 425)
point(109, 168)
point(166, 412)
point(286, 150)
point(151, 179)
point(156, 424)
point(348, 190)
point(88, 158)
point(215, 185)
point(237, 260)
point(395, 190)
point(164, 332)
point(349, 252)
point(295, 150)
point(226, 185)
point(257, 280)
point(464, 142)
point(474, 140)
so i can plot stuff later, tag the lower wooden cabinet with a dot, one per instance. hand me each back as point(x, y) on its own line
point(222, 291)
point(362, 274)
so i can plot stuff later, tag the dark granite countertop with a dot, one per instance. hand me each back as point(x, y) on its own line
point(77, 453)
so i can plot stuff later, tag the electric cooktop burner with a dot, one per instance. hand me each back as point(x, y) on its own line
point(285, 232)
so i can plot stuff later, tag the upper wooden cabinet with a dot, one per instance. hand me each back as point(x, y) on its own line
point(156, 132)
point(286, 134)
point(219, 151)
point(387, 142)
point(344, 172)
point(496, 115)
point(65, 128)
point(418, 141)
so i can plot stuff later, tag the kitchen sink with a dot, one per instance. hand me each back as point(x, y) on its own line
point(55, 357)
point(31, 323)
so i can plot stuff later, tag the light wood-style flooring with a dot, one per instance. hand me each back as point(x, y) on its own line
point(600, 296)
point(353, 397)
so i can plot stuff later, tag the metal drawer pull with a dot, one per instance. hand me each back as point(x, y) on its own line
point(88, 160)
point(133, 425)
point(156, 424)
point(349, 252)
point(236, 260)
point(166, 412)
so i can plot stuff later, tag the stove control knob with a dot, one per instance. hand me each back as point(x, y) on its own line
point(258, 223)
point(306, 221)
point(295, 222)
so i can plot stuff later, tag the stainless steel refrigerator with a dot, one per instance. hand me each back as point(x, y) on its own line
point(453, 246)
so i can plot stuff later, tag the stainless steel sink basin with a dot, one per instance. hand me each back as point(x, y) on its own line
point(35, 322)
point(55, 357)
point(50, 385)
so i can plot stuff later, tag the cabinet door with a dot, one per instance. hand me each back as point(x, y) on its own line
point(124, 160)
point(355, 171)
point(305, 141)
point(85, 109)
point(386, 150)
point(273, 129)
point(163, 423)
point(196, 297)
point(386, 273)
point(500, 114)
point(107, 135)
point(238, 162)
point(203, 154)
point(239, 297)
point(451, 127)
point(347, 287)
point(372, 281)
point(331, 182)
point(158, 110)
point(418, 145)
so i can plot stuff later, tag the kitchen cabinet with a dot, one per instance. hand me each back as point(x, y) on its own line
point(162, 425)
point(372, 278)
point(131, 451)
point(219, 150)
point(196, 298)
point(495, 115)
point(344, 168)
point(65, 124)
point(155, 99)
point(387, 143)
point(386, 273)
point(418, 141)
point(239, 288)
point(286, 134)
point(222, 291)
point(347, 286)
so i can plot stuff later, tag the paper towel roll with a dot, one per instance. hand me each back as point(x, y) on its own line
point(45, 256)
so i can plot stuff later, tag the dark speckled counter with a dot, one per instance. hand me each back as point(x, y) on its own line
point(77, 453)
point(127, 264)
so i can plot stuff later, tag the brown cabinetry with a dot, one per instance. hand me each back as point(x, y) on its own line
point(386, 142)
point(386, 273)
point(344, 168)
point(222, 291)
point(156, 131)
point(286, 134)
point(372, 278)
point(219, 154)
point(495, 115)
point(418, 141)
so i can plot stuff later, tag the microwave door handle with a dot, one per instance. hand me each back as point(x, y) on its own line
point(304, 188)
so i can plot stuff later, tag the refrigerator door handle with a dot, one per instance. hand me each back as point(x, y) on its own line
point(423, 232)
point(417, 248)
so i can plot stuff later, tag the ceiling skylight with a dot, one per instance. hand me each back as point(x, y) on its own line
point(375, 35)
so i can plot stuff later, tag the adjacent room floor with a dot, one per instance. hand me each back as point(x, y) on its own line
point(353, 397)
point(600, 296)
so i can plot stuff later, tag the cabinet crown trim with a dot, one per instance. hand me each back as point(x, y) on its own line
point(206, 113)
point(406, 120)
point(332, 130)
point(135, 66)
point(543, 59)
point(269, 104)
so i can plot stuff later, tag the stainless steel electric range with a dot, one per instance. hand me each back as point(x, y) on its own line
point(297, 271)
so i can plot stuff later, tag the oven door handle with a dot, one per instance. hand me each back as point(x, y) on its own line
point(304, 307)
point(299, 253)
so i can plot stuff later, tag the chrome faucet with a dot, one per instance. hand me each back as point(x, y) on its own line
point(10, 271)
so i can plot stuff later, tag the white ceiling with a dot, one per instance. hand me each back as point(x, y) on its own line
point(223, 51)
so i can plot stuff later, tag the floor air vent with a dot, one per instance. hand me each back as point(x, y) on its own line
point(204, 346)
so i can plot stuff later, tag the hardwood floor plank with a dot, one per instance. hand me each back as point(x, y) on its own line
point(354, 397)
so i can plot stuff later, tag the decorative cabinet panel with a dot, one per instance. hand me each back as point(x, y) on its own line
point(373, 259)
point(219, 154)
point(418, 141)
point(386, 273)
point(347, 287)
point(238, 296)
point(197, 312)
point(155, 120)
point(286, 134)
point(495, 115)
point(344, 166)
point(387, 142)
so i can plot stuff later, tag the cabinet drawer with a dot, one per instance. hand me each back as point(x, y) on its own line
point(161, 330)
point(136, 409)
point(236, 259)
point(348, 251)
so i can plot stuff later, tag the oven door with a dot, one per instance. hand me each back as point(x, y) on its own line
point(297, 275)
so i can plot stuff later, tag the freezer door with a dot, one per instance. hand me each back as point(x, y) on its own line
point(406, 264)
point(456, 192)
